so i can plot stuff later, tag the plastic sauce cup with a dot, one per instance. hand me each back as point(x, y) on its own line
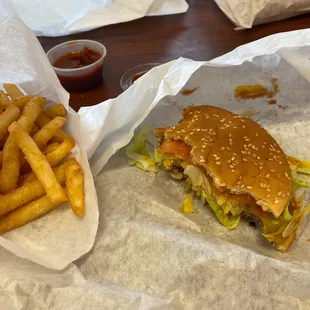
point(85, 77)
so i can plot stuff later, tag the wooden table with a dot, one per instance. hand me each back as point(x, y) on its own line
point(202, 33)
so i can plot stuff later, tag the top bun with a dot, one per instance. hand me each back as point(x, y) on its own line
point(238, 154)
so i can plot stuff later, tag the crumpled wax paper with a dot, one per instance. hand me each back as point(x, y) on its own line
point(148, 255)
point(58, 17)
point(245, 14)
point(58, 238)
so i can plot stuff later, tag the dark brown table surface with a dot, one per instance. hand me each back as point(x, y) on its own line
point(202, 33)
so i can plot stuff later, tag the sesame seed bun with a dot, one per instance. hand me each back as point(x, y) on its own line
point(238, 154)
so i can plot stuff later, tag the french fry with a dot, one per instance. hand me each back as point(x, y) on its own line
point(12, 90)
point(56, 157)
point(42, 137)
point(59, 136)
point(34, 130)
point(56, 110)
point(9, 172)
point(75, 186)
point(27, 192)
point(10, 115)
point(11, 159)
point(38, 163)
point(21, 102)
point(51, 147)
point(4, 100)
point(26, 213)
point(31, 112)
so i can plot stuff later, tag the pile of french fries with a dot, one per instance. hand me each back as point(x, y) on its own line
point(35, 172)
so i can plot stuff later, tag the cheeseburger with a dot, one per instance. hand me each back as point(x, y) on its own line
point(236, 167)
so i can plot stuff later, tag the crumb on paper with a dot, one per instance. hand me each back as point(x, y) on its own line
point(272, 101)
point(188, 91)
point(187, 205)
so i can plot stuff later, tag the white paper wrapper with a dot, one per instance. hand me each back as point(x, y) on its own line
point(245, 14)
point(57, 239)
point(58, 17)
point(147, 254)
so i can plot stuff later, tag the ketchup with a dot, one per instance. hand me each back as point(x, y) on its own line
point(77, 59)
point(77, 81)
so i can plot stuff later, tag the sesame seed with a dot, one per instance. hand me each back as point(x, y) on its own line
point(222, 120)
point(260, 168)
point(255, 163)
point(233, 170)
point(214, 155)
point(270, 159)
point(223, 148)
point(233, 158)
point(206, 116)
point(263, 146)
point(240, 177)
point(258, 157)
point(247, 140)
point(218, 163)
point(280, 194)
point(229, 135)
point(261, 185)
point(178, 131)
point(229, 161)
point(260, 163)
point(280, 162)
point(204, 146)
point(249, 187)
point(267, 176)
point(190, 113)
point(276, 201)
point(268, 196)
point(242, 186)
point(244, 159)
point(231, 166)
point(286, 174)
point(257, 135)
point(254, 155)
point(268, 190)
point(243, 126)
point(239, 182)
point(230, 143)
point(214, 133)
point(235, 154)
point(223, 184)
point(278, 176)
point(253, 147)
point(191, 133)
point(182, 130)
point(216, 115)
point(272, 170)
point(198, 129)
point(202, 160)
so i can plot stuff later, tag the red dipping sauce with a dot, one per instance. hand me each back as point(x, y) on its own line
point(78, 65)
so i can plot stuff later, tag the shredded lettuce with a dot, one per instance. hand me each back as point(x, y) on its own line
point(229, 221)
point(286, 214)
point(300, 166)
point(202, 186)
point(138, 154)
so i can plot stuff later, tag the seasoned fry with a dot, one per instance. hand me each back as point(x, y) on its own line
point(20, 102)
point(75, 186)
point(34, 130)
point(26, 213)
point(56, 157)
point(31, 112)
point(11, 159)
point(9, 172)
point(56, 110)
point(12, 90)
point(27, 192)
point(38, 163)
point(59, 136)
point(4, 100)
point(10, 115)
point(42, 137)
point(50, 147)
